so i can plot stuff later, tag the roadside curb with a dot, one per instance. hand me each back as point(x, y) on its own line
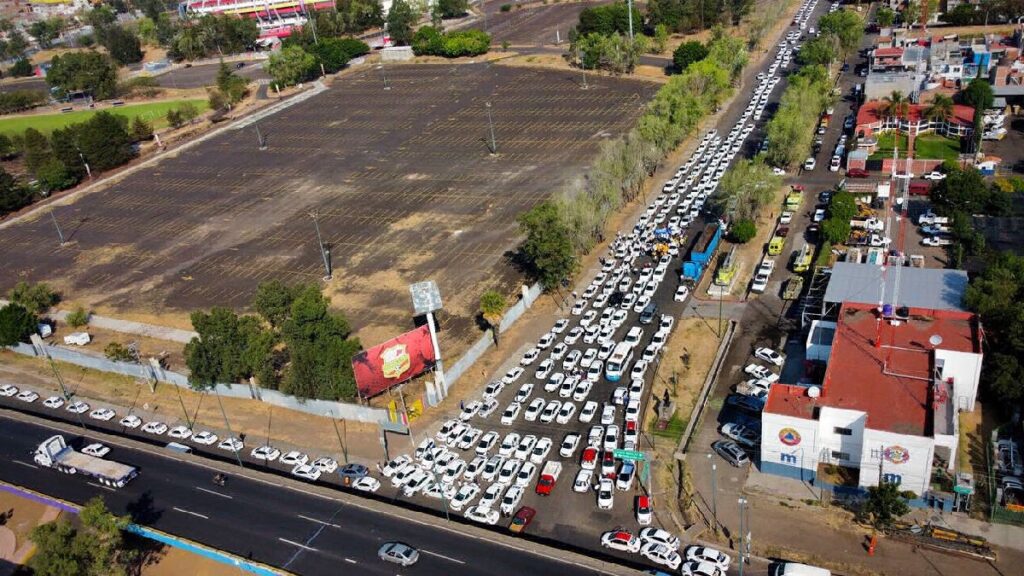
point(705, 392)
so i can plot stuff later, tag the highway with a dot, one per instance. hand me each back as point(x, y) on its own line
point(276, 524)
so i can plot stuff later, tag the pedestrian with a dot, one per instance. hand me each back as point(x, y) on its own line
point(462, 404)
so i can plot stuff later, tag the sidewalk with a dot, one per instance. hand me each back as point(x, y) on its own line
point(126, 326)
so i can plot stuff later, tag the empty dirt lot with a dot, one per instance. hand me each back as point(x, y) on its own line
point(402, 180)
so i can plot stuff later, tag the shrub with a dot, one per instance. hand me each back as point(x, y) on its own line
point(742, 231)
point(78, 318)
point(118, 352)
point(37, 298)
point(429, 41)
point(506, 7)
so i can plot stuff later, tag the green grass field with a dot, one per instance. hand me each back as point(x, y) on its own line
point(154, 113)
point(936, 147)
point(886, 140)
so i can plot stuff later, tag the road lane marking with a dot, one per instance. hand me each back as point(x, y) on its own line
point(351, 561)
point(25, 464)
point(319, 521)
point(303, 546)
point(192, 513)
point(215, 493)
point(100, 486)
point(449, 558)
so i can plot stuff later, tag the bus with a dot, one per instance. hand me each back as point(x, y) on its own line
point(619, 361)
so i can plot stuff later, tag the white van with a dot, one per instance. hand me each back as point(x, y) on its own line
point(834, 165)
point(795, 569)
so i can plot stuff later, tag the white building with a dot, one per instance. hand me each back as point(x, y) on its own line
point(889, 400)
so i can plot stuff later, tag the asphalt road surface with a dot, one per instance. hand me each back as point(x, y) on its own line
point(298, 531)
point(206, 74)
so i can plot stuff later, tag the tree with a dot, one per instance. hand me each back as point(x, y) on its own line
point(95, 548)
point(78, 318)
point(90, 72)
point(37, 298)
point(687, 53)
point(669, 13)
point(55, 175)
point(822, 50)
point(885, 504)
point(105, 142)
point(885, 16)
point(895, 105)
point(452, 8)
point(401, 19)
point(431, 41)
point(978, 95)
point(141, 130)
point(607, 19)
point(17, 323)
point(547, 248)
point(46, 31)
point(22, 68)
point(963, 15)
point(13, 196)
point(16, 44)
point(660, 41)
point(101, 16)
point(742, 231)
point(273, 301)
point(37, 149)
point(846, 26)
point(745, 188)
point(331, 54)
point(174, 118)
point(188, 111)
point(492, 307)
point(911, 13)
point(146, 29)
point(122, 44)
point(291, 65)
point(231, 85)
point(940, 108)
point(359, 15)
point(7, 148)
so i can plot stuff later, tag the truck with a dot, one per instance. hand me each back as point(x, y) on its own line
point(775, 245)
point(548, 477)
point(727, 270)
point(931, 218)
point(703, 250)
point(77, 338)
point(55, 453)
point(873, 224)
point(793, 199)
point(802, 259)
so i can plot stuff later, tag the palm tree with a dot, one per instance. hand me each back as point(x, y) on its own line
point(492, 306)
point(895, 105)
point(940, 108)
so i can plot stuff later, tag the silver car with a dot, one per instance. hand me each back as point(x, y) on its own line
point(398, 553)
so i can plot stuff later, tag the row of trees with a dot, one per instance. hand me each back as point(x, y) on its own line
point(558, 230)
point(87, 71)
point(19, 100)
point(431, 41)
point(304, 58)
point(791, 130)
point(996, 295)
point(692, 15)
point(18, 319)
point(294, 343)
point(745, 189)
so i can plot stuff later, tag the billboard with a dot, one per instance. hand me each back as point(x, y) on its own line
point(393, 362)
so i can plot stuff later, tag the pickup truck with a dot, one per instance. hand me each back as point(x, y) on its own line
point(873, 224)
point(548, 477)
point(931, 218)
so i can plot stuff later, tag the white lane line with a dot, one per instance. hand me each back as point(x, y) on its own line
point(197, 514)
point(449, 558)
point(201, 489)
point(100, 486)
point(319, 521)
point(25, 464)
point(303, 546)
point(351, 561)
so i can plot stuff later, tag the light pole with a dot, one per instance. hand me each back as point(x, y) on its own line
point(629, 8)
point(742, 503)
point(325, 252)
point(744, 542)
point(384, 75)
point(344, 449)
point(714, 492)
point(490, 124)
point(60, 234)
point(85, 163)
point(260, 140)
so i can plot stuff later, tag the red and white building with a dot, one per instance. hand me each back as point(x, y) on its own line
point(871, 119)
point(889, 400)
point(276, 18)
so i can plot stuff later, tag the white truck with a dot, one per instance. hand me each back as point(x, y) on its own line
point(873, 224)
point(77, 338)
point(55, 453)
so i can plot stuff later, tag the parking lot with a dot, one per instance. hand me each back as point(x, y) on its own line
point(401, 179)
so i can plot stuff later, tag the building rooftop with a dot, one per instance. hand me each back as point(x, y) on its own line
point(931, 288)
point(888, 52)
point(872, 111)
point(882, 369)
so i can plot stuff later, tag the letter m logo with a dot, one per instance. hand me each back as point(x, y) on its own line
point(788, 458)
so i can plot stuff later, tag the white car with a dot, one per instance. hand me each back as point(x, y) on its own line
point(525, 447)
point(508, 444)
point(608, 414)
point(323, 464)
point(231, 445)
point(103, 414)
point(392, 467)
point(483, 515)
point(486, 442)
point(491, 495)
point(648, 535)
point(605, 494)
point(525, 474)
point(540, 450)
point(464, 496)
point(77, 407)
point(488, 407)
point(560, 325)
point(546, 341)
point(524, 392)
point(154, 427)
point(934, 176)
point(96, 449)
point(661, 554)
point(786, 217)
point(8, 390)
point(769, 355)
point(819, 215)
point(27, 396)
point(621, 540)
point(559, 351)
point(508, 471)
point(582, 483)
point(699, 569)
point(569, 445)
point(512, 375)
point(533, 410)
point(571, 360)
point(513, 496)
point(704, 554)
point(543, 369)
point(366, 484)
point(204, 438)
point(566, 413)
point(582, 390)
point(554, 382)
point(179, 432)
point(761, 373)
point(550, 411)
point(469, 410)
point(266, 453)
point(611, 438)
point(588, 358)
point(588, 411)
point(511, 413)
point(595, 436)
point(573, 336)
point(493, 388)
point(633, 411)
point(530, 357)
point(306, 471)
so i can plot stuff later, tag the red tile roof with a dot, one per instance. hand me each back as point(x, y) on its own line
point(881, 369)
point(886, 52)
point(871, 112)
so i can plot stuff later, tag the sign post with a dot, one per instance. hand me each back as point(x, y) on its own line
point(426, 299)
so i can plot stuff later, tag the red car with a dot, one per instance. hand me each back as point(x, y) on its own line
point(588, 460)
point(857, 173)
point(522, 519)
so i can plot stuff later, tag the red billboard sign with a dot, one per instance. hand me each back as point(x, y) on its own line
point(393, 362)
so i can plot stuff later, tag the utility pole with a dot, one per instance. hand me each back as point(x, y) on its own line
point(85, 163)
point(260, 140)
point(744, 538)
point(384, 75)
point(490, 124)
point(60, 234)
point(714, 492)
point(325, 252)
point(344, 449)
point(629, 7)
point(227, 425)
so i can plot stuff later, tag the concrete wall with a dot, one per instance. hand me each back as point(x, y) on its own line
point(831, 441)
point(795, 458)
point(905, 456)
point(965, 370)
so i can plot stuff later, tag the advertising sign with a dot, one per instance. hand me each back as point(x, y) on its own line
point(393, 362)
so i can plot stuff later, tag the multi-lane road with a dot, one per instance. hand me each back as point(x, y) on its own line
point(270, 522)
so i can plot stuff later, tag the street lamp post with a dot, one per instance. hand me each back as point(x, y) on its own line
point(324, 251)
point(490, 124)
point(714, 492)
point(60, 234)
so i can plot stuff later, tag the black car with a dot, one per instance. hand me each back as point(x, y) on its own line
point(352, 471)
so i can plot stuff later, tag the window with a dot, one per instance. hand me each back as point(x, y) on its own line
point(840, 455)
point(842, 431)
